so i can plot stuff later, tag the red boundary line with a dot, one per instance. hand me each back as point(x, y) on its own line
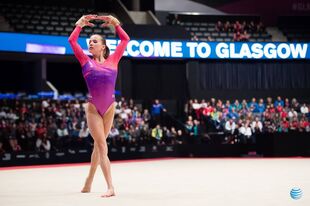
point(79, 164)
point(142, 160)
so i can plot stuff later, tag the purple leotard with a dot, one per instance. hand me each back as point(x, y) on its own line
point(100, 78)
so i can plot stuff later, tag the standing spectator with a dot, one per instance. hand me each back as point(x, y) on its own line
point(157, 109)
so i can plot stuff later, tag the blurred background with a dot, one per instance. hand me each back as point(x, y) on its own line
point(167, 105)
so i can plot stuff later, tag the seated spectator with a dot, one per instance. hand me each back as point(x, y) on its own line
point(257, 126)
point(252, 27)
point(197, 109)
point(2, 150)
point(237, 36)
point(279, 101)
point(233, 114)
point(15, 147)
point(237, 105)
point(245, 36)
point(83, 136)
point(146, 116)
point(175, 20)
point(287, 103)
point(295, 105)
point(253, 103)
point(207, 110)
point(40, 130)
point(219, 26)
point(304, 109)
point(260, 27)
point(230, 126)
point(294, 125)
point(3, 114)
point(157, 132)
point(209, 38)
point(285, 124)
point(304, 125)
point(228, 27)
point(188, 108)
point(43, 144)
point(245, 132)
point(180, 137)
point(248, 133)
point(194, 38)
point(62, 136)
point(244, 26)
point(237, 27)
point(261, 106)
point(292, 113)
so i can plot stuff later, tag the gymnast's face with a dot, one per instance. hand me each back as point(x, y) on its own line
point(96, 46)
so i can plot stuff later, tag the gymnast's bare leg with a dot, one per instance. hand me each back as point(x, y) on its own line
point(99, 128)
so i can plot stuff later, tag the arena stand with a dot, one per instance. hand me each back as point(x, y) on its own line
point(220, 28)
point(48, 20)
point(295, 28)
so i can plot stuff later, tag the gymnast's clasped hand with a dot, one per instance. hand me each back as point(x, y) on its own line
point(108, 20)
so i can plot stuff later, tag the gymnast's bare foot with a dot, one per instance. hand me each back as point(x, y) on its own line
point(109, 193)
point(87, 186)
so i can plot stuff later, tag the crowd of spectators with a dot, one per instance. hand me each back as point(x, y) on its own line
point(56, 125)
point(242, 30)
point(241, 121)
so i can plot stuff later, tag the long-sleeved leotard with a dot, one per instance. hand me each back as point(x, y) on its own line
point(100, 78)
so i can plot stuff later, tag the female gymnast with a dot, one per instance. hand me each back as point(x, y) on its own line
point(100, 74)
